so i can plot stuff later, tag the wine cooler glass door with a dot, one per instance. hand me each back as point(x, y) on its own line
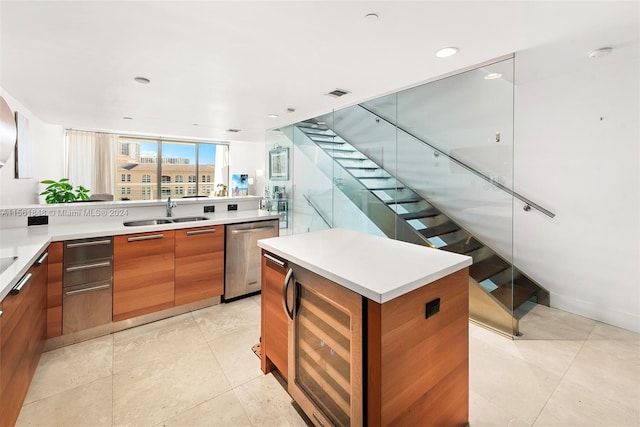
point(328, 351)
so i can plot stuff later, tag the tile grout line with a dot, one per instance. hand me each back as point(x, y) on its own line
point(563, 375)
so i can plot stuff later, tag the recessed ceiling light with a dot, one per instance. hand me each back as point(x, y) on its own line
point(272, 116)
point(128, 118)
point(195, 124)
point(142, 80)
point(446, 52)
point(233, 130)
point(291, 110)
point(599, 53)
point(371, 17)
point(493, 76)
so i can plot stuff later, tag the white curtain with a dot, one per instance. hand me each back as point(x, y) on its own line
point(91, 160)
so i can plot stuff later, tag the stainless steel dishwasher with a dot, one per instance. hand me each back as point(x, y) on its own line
point(242, 266)
point(87, 284)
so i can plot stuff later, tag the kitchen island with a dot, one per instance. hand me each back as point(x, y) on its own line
point(377, 329)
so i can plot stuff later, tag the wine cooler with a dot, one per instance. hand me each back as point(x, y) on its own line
point(325, 349)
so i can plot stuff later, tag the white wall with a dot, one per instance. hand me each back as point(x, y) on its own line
point(576, 150)
point(249, 158)
point(48, 159)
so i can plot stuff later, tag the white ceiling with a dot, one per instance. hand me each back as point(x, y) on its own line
point(227, 64)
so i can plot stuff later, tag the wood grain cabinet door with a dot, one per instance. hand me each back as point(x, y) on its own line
point(274, 322)
point(143, 276)
point(199, 257)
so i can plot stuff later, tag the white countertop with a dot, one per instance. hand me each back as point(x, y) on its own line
point(378, 268)
point(27, 243)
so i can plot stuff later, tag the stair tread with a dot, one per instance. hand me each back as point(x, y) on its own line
point(365, 167)
point(425, 213)
point(463, 247)
point(383, 188)
point(350, 158)
point(520, 295)
point(486, 268)
point(436, 230)
point(374, 177)
point(402, 201)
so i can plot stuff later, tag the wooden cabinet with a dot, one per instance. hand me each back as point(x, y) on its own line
point(199, 263)
point(23, 326)
point(274, 322)
point(143, 273)
point(352, 360)
point(54, 291)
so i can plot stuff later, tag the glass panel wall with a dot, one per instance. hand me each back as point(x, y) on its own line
point(431, 165)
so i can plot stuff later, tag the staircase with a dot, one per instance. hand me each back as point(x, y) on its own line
point(497, 288)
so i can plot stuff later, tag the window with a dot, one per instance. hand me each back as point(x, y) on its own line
point(151, 167)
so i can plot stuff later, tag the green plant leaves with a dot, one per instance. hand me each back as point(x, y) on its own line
point(63, 192)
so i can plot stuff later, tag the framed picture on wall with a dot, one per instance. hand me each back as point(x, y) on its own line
point(279, 164)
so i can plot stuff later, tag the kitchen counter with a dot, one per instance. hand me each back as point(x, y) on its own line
point(28, 242)
point(375, 267)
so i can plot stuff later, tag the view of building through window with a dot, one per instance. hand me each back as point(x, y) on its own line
point(150, 169)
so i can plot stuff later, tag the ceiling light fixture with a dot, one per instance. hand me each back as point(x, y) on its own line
point(272, 116)
point(493, 76)
point(599, 53)
point(142, 80)
point(127, 118)
point(233, 130)
point(445, 52)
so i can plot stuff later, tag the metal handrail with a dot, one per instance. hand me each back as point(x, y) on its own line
point(528, 203)
point(317, 209)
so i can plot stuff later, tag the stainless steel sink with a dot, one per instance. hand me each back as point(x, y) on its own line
point(5, 262)
point(142, 222)
point(190, 218)
point(146, 222)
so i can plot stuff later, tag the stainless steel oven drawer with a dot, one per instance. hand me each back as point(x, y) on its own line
point(86, 306)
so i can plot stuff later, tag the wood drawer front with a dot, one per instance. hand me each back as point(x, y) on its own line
point(199, 264)
point(143, 274)
point(275, 323)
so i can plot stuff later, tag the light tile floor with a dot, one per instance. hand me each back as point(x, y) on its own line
point(198, 369)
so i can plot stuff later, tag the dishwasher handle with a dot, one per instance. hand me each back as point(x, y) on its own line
point(251, 230)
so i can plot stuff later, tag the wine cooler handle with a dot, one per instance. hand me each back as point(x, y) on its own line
point(285, 288)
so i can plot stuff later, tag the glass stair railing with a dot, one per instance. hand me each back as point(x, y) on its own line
point(497, 288)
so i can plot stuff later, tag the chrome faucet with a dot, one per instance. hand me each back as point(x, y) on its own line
point(170, 205)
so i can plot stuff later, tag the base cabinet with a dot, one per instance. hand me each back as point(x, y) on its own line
point(199, 263)
point(143, 273)
point(274, 321)
point(353, 361)
point(24, 328)
point(54, 291)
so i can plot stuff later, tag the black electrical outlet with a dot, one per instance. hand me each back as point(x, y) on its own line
point(232, 207)
point(38, 220)
point(433, 307)
point(209, 209)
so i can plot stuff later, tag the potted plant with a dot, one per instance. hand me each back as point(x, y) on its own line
point(63, 192)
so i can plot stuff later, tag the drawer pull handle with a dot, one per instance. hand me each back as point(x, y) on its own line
point(94, 288)
point(276, 260)
point(17, 288)
point(317, 418)
point(93, 243)
point(140, 238)
point(195, 232)
point(88, 266)
point(42, 258)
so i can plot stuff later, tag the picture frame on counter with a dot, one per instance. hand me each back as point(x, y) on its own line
point(279, 164)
